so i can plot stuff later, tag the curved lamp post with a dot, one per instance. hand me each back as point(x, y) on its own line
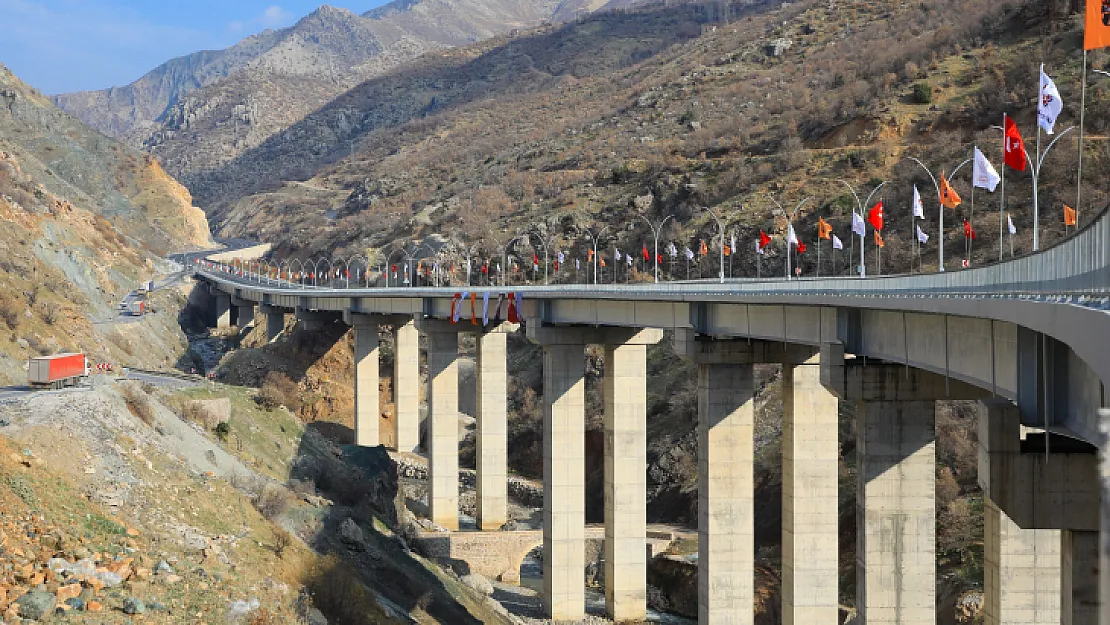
point(861, 204)
point(790, 222)
point(594, 240)
point(656, 230)
point(721, 251)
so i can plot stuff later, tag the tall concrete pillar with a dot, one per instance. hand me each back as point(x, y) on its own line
point(626, 477)
point(244, 314)
point(1104, 513)
point(367, 395)
point(443, 428)
point(564, 476)
point(896, 512)
point(492, 435)
point(726, 530)
point(275, 324)
point(1021, 572)
point(810, 511)
point(223, 309)
point(406, 387)
point(1079, 573)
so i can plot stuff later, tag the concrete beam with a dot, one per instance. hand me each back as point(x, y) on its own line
point(316, 319)
point(406, 387)
point(890, 382)
point(707, 350)
point(365, 319)
point(443, 429)
point(564, 479)
point(810, 503)
point(1060, 491)
point(492, 425)
point(267, 309)
point(579, 335)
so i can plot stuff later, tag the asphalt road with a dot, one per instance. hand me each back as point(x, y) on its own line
point(14, 393)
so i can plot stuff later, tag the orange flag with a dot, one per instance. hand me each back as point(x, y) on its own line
point(879, 239)
point(948, 196)
point(1071, 216)
point(1096, 28)
point(824, 230)
point(704, 249)
point(728, 251)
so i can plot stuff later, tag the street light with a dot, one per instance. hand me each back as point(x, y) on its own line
point(721, 251)
point(790, 224)
point(505, 259)
point(940, 200)
point(656, 230)
point(546, 257)
point(595, 241)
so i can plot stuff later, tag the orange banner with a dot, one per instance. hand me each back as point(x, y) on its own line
point(1096, 31)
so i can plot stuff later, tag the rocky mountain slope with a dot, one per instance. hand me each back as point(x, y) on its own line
point(86, 219)
point(235, 98)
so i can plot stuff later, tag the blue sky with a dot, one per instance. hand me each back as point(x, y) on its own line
point(72, 45)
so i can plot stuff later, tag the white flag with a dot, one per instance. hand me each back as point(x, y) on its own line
point(672, 250)
point(1049, 105)
point(918, 207)
point(616, 253)
point(485, 308)
point(858, 226)
point(733, 245)
point(921, 236)
point(689, 253)
point(758, 250)
point(561, 259)
point(577, 264)
point(837, 244)
point(629, 258)
point(791, 238)
point(1010, 224)
point(983, 173)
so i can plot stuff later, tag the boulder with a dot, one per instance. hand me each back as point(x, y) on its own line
point(351, 534)
point(133, 606)
point(36, 604)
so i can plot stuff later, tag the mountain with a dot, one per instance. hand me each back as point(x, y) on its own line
point(86, 219)
point(241, 95)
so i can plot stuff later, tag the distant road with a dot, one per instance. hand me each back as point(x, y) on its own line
point(169, 381)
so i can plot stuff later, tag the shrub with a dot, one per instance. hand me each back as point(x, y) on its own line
point(922, 93)
point(278, 389)
point(282, 541)
point(139, 404)
point(223, 429)
point(11, 312)
point(48, 313)
point(273, 501)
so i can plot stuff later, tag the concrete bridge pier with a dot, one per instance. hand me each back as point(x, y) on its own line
point(406, 386)
point(223, 309)
point(564, 470)
point(896, 500)
point(443, 421)
point(810, 503)
point(492, 425)
point(244, 312)
point(625, 390)
point(275, 321)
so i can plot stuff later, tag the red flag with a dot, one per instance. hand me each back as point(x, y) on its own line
point(763, 239)
point(556, 264)
point(646, 255)
point(1013, 147)
point(535, 260)
point(394, 268)
point(659, 259)
point(969, 232)
point(513, 316)
point(876, 216)
point(801, 247)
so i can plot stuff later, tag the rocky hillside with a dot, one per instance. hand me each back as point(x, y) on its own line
point(197, 111)
point(664, 110)
point(86, 219)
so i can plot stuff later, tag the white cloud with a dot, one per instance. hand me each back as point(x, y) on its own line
point(275, 16)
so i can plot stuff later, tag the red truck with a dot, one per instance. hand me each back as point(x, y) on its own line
point(57, 371)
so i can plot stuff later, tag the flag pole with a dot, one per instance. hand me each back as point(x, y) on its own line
point(971, 215)
point(819, 256)
point(1079, 173)
point(862, 261)
point(1036, 209)
point(1002, 200)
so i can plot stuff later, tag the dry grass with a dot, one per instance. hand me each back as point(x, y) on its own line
point(338, 593)
point(273, 501)
point(139, 403)
point(278, 389)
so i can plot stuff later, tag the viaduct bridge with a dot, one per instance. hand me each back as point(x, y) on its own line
point(1030, 338)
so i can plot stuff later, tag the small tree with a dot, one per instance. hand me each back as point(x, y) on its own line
point(922, 93)
point(222, 431)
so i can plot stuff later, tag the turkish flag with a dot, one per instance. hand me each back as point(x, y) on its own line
point(763, 239)
point(801, 247)
point(646, 256)
point(1013, 147)
point(876, 216)
point(969, 232)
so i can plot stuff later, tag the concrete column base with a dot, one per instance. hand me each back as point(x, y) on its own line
point(810, 503)
point(443, 429)
point(1021, 572)
point(223, 310)
point(896, 513)
point(406, 387)
point(275, 325)
point(1079, 578)
point(564, 477)
point(626, 480)
point(726, 532)
point(367, 393)
point(492, 435)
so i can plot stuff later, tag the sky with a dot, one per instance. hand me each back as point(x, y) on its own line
point(59, 46)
